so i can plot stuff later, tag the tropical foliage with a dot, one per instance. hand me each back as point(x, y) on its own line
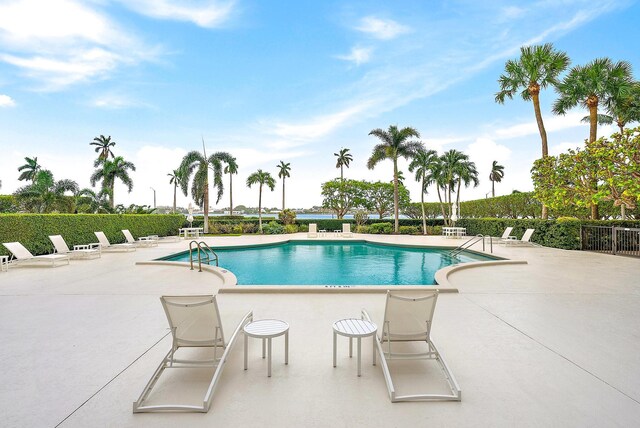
point(343, 195)
point(261, 178)
point(496, 175)
point(344, 158)
point(29, 170)
point(284, 172)
point(231, 168)
point(107, 171)
point(45, 195)
point(103, 147)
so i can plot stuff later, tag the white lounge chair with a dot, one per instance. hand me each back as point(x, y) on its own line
point(79, 251)
point(195, 323)
point(525, 240)
point(107, 246)
point(346, 230)
point(22, 255)
point(506, 236)
point(143, 241)
point(408, 320)
point(313, 230)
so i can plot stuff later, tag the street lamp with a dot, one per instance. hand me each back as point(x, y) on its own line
point(154, 196)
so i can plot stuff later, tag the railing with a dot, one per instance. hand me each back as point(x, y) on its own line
point(203, 252)
point(470, 242)
point(624, 241)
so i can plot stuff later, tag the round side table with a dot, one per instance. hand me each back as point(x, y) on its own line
point(354, 328)
point(266, 330)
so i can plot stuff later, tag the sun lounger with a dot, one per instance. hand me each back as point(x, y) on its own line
point(313, 231)
point(143, 241)
point(79, 251)
point(22, 255)
point(525, 240)
point(195, 323)
point(107, 246)
point(406, 335)
point(346, 230)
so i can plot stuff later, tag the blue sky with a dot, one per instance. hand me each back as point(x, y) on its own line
point(286, 80)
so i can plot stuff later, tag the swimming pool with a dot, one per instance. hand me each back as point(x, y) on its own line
point(335, 263)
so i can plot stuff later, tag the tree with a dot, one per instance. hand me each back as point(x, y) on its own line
point(262, 178)
point(88, 201)
point(46, 195)
point(176, 177)
point(537, 68)
point(198, 164)
point(283, 172)
point(599, 82)
point(424, 163)
point(622, 110)
point(396, 143)
point(30, 169)
point(108, 171)
point(466, 174)
point(379, 197)
point(103, 147)
point(231, 168)
point(344, 159)
point(496, 175)
point(341, 196)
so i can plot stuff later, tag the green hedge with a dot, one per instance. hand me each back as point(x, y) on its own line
point(32, 230)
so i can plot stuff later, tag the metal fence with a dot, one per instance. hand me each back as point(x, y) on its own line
point(622, 241)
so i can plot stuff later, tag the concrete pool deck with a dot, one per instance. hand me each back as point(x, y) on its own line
point(554, 342)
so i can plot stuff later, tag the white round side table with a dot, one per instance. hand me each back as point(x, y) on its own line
point(354, 328)
point(266, 330)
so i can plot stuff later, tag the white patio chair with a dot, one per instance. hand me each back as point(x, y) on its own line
point(525, 240)
point(107, 246)
point(346, 230)
point(506, 236)
point(143, 241)
point(313, 230)
point(79, 251)
point(195, 323)
point(408, 320)
point(22, 255)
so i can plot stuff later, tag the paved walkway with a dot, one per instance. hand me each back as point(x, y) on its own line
point(550, 343)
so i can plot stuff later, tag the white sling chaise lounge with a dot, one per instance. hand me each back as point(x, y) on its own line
point(346, 230)
point(105, 245)
point(79, 251)
point(313, 231)
point(143, 241)
point(408, 320)
point(195, 323)
point(22, 255)
point(525, 240)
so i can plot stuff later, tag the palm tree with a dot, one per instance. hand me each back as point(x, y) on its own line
point(344, 159)
point(30, 169)
point(623, 109)
point(262, 178)
point(283, 172)
point(46, 195)
point(198, 164)
point(496, 175)
point(423, 163)
point(466, 173)
point(91, 202)
point(396, 143)
point(538, 67)
point(599, 82)
point(231, 168)
point(103, 146)
point(176, 180)
point(110, 170)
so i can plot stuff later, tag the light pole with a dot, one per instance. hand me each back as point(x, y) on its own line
point(154, 196)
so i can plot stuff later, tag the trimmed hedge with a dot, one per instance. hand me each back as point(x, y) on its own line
point(32, 230)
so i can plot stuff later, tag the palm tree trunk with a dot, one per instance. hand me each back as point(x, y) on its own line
point(206, 206)
point(175, 189)
point(493, 189)
point(543, 137)
point(444, 215)
point(623, 213)
point(260, 209)
point(230, 194)
point(341, 173)
point(112, 185)
point(395, 195)
point(283, 180)
point(593, 135)
point(424, 218)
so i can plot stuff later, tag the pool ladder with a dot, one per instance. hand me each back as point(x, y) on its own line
point(205, 254)
point(471, 242)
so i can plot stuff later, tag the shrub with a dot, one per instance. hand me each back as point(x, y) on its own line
point(249, 227)
point(287, 217)
point(290, 228)
point(409, 230)
point(273, 228)
point(362, 229)
point(8, 204)
point(434, 230)
point(381, 228)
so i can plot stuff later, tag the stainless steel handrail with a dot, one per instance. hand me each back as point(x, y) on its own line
point(467, 244)
point(203, 250)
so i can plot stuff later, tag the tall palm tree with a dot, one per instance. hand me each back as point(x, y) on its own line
point(103, 146)
point(496, 175)
point(262, 178)
point(231, 168)
point(344, 159)
point(623, 109)
point(92, 202)
point(423, 163)
point(108, 171)
point(197, 164)
point(45, 195)
point(30, 169)
point(537, 68)
point(466, 174)
point(451, 164)
point(599, 82)
point(175, 178)
point(396, 143)
point(284, 170)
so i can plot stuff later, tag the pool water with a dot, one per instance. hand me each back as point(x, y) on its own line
point(335, 263)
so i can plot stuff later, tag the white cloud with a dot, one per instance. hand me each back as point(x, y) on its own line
point(115, 101)
point(383, 29)
point(358, 55)
point(204, 13)
point(62, 42)
point(6, 101)
point(551, 124)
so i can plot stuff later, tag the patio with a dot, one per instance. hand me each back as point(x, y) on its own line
point(552, 342)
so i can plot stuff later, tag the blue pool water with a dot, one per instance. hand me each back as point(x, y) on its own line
point(335, 263)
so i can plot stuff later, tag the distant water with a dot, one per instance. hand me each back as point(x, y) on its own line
point(307, 216)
